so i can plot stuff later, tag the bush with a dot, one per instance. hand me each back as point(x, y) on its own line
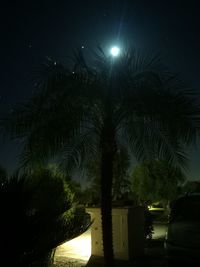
point(148, 225)
point(37, 215)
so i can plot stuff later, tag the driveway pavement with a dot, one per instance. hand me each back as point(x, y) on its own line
point(76, 253)
point(159, 230)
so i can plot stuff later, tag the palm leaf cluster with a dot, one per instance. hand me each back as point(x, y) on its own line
point(154, 112)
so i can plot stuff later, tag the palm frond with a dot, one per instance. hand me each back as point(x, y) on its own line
point(158, 111)
point(162, 116)
point(76, 152)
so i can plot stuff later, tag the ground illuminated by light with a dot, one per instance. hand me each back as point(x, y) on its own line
point(77, 248)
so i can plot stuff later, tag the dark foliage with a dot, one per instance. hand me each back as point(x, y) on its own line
point(36, 217)
point(121, 185)
point(148, 224)
point(91, 109)
point(156, 181)
point(3, 175)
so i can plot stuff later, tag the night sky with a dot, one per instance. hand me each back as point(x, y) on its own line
point(32, 30)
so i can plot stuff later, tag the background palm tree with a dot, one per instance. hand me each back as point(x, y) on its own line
point(89, 110)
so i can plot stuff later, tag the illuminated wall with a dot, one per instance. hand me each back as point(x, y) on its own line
point(128, 232)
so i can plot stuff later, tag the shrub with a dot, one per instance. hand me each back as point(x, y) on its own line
point(148, 225)
point(37, 215)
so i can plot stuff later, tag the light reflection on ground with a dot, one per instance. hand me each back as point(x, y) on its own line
point(159, 231)
point(77, 248)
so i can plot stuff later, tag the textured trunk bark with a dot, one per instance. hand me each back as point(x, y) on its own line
point(108, 149)
point(107, 158)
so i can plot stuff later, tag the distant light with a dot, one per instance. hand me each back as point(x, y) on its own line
point(82, 46)
point(115, 51)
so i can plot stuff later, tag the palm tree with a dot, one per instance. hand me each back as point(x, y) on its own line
point(90, 109)
point(120, 183)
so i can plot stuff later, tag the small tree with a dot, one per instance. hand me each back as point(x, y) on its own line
point(156, 181)
point(73, 185)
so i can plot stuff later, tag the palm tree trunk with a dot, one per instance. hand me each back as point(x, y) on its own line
point(107, 159)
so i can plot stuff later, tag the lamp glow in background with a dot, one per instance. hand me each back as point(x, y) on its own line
point(115, 51)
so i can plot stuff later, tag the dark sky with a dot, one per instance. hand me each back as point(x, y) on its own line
point(32, 30)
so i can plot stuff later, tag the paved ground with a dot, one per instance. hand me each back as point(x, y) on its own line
point(77, 248)
point(159, 230)
point(155, 251)
point(76, 252)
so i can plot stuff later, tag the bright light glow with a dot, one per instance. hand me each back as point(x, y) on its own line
point(77, 248)
point(115, 51)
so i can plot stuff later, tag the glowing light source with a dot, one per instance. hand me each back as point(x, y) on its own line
point(115, 51)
